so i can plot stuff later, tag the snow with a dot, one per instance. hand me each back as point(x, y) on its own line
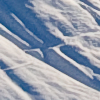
point(19, 21)
point(37, 50)
point(50, 50)
point(37, 80)
point(82, 68)
point(15, 36)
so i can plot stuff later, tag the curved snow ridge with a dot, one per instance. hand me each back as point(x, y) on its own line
point(20, 22)
point(37, 80)
point(88, 71)
point(80, 67)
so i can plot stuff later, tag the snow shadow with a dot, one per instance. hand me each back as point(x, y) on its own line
point(12, 25)
point(90, 4)
point(14, 40)
point(31, 22)
point(72, 52)
point(22, 84)
point(59, 63)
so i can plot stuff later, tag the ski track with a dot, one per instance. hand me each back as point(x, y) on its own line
point(57, 32)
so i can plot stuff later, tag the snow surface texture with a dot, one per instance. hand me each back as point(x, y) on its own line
point(50, 49)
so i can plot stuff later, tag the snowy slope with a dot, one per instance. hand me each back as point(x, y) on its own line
point(26, 78)
point(64, 35)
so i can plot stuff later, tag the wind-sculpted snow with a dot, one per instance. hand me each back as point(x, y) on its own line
point(26, 78)
point(65, 34)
